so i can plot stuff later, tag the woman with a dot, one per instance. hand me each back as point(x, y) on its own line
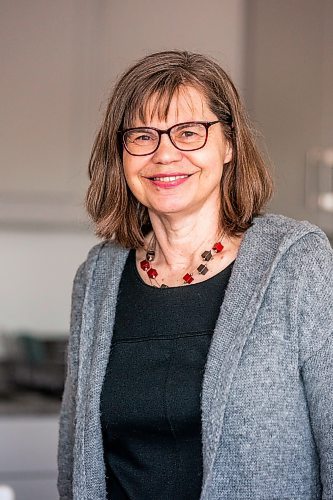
point(200, 354)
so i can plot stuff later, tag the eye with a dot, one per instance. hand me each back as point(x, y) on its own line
point(141, 136)
point(189, 132)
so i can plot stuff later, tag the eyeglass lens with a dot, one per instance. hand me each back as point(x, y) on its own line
point(185, 136)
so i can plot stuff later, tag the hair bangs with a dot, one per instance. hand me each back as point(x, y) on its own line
point(155, 99)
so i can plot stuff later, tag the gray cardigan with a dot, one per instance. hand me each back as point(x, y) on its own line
point(267, 401)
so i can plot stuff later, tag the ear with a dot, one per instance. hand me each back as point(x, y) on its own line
point(228, 153)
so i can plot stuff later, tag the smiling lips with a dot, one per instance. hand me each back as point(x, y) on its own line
point(168, 180)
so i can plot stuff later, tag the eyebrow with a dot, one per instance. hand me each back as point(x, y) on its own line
point(180, 125)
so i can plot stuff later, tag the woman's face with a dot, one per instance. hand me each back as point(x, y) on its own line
point(147, 176)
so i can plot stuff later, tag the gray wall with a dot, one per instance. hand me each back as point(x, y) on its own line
point(289, 83)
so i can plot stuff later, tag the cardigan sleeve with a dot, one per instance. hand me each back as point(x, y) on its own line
point(67, 412)
point(318, 379)
point(316, 350)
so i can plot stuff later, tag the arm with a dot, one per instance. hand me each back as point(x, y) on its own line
point(316, 350)
point(318, 379)
point(67, 412)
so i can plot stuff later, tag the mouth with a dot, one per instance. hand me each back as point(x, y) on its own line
point(168, 181)
point(168, 178)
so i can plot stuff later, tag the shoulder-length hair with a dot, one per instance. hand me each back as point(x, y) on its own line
point(246, 184)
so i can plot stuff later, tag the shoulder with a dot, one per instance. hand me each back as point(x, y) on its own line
point(304, 269)
point(101, 257)
point(297, 259)
point(103, 253)
point(281, 226)
point(275, 244)
point(286, 235)
point(288, 252)
point(105, 250)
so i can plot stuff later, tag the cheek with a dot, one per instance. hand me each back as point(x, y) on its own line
point(228, 154)
point(127, 174)
point(127, 164)
point(212, 164)
point(130, 169)
point(132, 176)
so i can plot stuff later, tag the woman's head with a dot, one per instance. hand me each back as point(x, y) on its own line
point(147, 92)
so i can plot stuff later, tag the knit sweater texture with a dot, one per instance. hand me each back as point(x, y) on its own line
point(267, 400)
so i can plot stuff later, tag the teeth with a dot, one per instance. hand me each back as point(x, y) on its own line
point(169, 179)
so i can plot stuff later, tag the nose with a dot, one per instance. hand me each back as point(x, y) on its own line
point(166, 151)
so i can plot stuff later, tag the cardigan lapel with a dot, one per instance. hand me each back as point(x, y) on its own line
point(262, 247)
point(105, 265)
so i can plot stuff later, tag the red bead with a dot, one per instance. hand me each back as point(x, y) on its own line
point(145, 265)
point(152, 273)
point(188, 278)
point(218, 247)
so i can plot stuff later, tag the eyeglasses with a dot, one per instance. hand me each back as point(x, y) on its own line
point(189, 136)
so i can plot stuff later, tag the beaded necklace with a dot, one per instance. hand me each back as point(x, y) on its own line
point(188, 278)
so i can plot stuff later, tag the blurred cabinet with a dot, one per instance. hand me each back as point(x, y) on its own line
point(28, 456)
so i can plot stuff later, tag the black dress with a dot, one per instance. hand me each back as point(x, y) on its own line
point(150, 402)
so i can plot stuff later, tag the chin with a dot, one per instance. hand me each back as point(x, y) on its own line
point(175, 207)
point(170, 210)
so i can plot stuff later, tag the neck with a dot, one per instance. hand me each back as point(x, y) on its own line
point(180, 240)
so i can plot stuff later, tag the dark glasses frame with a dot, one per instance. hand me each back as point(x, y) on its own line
point(168, 132)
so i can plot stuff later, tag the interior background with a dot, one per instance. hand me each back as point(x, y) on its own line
point(59, 61)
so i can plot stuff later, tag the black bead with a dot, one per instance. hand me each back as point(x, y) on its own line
point(150, 255)
point(202, 269)
point(207, 255)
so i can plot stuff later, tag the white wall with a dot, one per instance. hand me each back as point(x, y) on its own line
point(28, 456)
point(37, 270)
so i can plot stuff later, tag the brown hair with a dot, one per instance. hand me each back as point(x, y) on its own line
point(246, 184)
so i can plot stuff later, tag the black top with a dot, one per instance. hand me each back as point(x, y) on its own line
point(150, 402)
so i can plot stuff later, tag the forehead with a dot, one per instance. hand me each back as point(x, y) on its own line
point(184, 103)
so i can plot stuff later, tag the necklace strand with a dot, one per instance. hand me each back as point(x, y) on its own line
point(188, 278)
